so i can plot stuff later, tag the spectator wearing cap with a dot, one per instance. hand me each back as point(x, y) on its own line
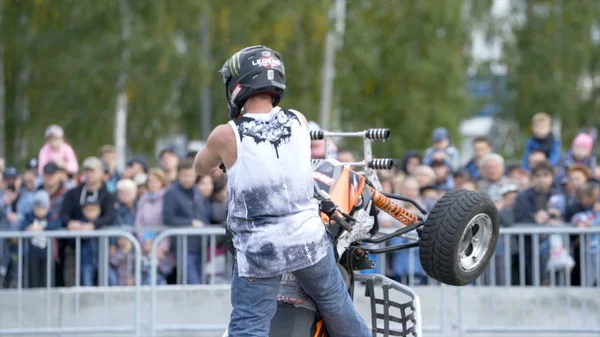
point(531, 208)
point(150, 206)
point(17, 200)
point(126, 200)
point(108, 155)
point(481, 147)
point(33, 167)
point(492, 173)
point(169, 161)
point(57, 150)
point(72, 214)
point(542, 140)
point(185, 206)
point(14, 204)
point(580, 153)
point(441, 143)
point(42, 218)
point(53, 184)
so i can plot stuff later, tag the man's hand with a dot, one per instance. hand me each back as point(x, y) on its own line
point(34, 228)
point(74, 225)
point(541, 217)
point(584, 224)
point(197, 223)
point(12, 217)
point(9, 197)
point(88, 226)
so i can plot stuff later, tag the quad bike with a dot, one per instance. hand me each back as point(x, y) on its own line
point(456, 241)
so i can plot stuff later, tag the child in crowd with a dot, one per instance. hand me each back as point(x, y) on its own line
point(122, 263)
point(91, 210)
point(543, 140)
point(166, 264)
point(57, 150)
point(40, 219)
point(441, 143)
point(580, 153)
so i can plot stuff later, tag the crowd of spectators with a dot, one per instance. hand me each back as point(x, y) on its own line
point(56, 192)
point(546, 188)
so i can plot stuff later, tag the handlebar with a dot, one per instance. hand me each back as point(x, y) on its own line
point(342, 222)
point(372, 134)
point(378, 164)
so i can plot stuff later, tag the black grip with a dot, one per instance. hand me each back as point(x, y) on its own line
point(342, 222)
point(378, 134)
point(381, 164)
point(317, 134)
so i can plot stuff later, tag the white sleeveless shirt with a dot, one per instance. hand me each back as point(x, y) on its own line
point(272, 213)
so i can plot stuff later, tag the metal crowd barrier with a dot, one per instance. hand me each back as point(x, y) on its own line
point(514, 295)
point(103, 235)
point(523, 300)
point(184, 233)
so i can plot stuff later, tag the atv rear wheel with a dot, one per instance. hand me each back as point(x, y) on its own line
point(459, 237)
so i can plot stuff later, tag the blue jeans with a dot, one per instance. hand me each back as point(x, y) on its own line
point(88, 273)
point(194, 268)
point(254, 301)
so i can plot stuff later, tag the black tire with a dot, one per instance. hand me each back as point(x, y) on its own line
point(440, 239)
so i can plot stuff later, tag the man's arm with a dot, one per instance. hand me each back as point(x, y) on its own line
point(210, 156)
point(66, 209)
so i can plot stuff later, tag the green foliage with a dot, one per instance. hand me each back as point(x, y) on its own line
point(553, 51)
point(403, 65)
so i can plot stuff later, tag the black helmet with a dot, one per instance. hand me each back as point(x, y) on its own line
point(252, 71)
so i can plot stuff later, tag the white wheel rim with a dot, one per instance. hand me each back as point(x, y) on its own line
point(475, 242)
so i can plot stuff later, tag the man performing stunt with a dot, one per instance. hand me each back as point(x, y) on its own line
point(272, 214)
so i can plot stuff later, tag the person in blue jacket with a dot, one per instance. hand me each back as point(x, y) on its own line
point(542, 140)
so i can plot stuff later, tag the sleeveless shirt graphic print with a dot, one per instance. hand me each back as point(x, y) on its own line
point(271, 209)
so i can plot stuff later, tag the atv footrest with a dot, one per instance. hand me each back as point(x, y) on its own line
point(392, 317)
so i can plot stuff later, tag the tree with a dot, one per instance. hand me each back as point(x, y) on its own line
point(551, 56)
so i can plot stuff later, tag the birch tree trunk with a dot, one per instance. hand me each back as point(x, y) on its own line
point(122, 102)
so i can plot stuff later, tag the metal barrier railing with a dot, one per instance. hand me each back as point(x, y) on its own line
point(103, 235)
point(164, 235)
point(543, 269)
point(520, 267)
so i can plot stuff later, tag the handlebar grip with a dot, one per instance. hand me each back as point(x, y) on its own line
point(378, 134)
point(317, 134)
point(381, 164)
point(342, 222)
